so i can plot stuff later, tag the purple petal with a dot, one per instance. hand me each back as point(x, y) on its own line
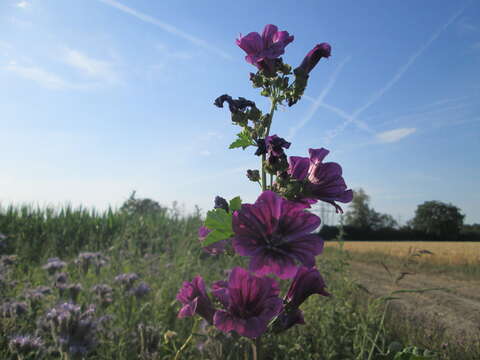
point(317, 155)
point(251, 43)
point(298, 167)
point(267, 35)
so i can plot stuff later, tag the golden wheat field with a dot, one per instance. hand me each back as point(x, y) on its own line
point(440, 252)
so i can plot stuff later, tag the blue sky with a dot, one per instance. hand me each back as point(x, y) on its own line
point(102, 97)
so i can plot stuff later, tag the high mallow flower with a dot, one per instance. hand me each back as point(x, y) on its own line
point(307, 281)
point(195, 300)
point(262, 50)
point(276, 234)
point(322, 50)
point(323, 181)
point(250, 303)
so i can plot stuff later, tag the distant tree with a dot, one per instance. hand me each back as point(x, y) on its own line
point(361, 215)
point(438, 219)
point(134, 206)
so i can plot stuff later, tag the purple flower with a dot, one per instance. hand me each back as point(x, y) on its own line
point(250, 303)
point(324, 181)
point(287, 319)
point(307, 281)
point(262, 50)
point(73, 330)
point(215, 248)
point(25, 345)
point(195, 300)
point(322, 50)
point(53, 265)
point(12, 309)
point(276, 234)
point(127, 279)
point(141, 290)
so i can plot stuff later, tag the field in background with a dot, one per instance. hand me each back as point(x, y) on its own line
point(460, 260)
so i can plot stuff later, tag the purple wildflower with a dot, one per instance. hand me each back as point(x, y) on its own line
point(53, 265)
point(250, 303)
point(61, 278)
point(195, 300)
point(276, 234)
point(104, 293)
point(322, 50)
point(38, 293)
point(307, 281)
point(262, 50)
point(86, 259)
point(15, 308)
point(74, 291)
point(141, 290)
point(127, 279)
point(25, 345)
point(324, 181)
point(215, 248)
point(73, 329)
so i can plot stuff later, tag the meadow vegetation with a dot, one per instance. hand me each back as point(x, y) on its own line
point(78, 284)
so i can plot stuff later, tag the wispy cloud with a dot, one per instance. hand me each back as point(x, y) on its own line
point(319, 101)
point(397, 76)
point(167, 27)
point(465, 26)
point(403, 69)
point(394, 135)
point(38, 75)
point(23, 4)
point(96, 69)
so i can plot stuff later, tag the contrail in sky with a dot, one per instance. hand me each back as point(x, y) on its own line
point(398, 75)
point(318, 102)
point(167, 27)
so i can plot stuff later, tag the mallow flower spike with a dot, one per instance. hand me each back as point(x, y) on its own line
point(276, 234)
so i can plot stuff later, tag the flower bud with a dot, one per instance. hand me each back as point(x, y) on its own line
point(253, 175)
point(322, 50)
point(221, 203)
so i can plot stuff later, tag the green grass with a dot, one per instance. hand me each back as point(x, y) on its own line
point(164, 250)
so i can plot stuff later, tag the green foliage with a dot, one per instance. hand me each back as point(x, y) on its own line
point(438, 219)
point(361, 215)
point(235, 204)
point(243, 140)
point(220, 224)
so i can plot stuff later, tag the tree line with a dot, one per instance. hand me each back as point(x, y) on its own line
point(433, 220)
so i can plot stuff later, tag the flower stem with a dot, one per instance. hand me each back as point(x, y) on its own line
point(264, 156)
point(256, 349)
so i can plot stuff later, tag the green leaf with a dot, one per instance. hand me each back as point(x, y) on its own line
point(219, 219)
point(243, 140)
point(216, 236)
point(235, 204)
